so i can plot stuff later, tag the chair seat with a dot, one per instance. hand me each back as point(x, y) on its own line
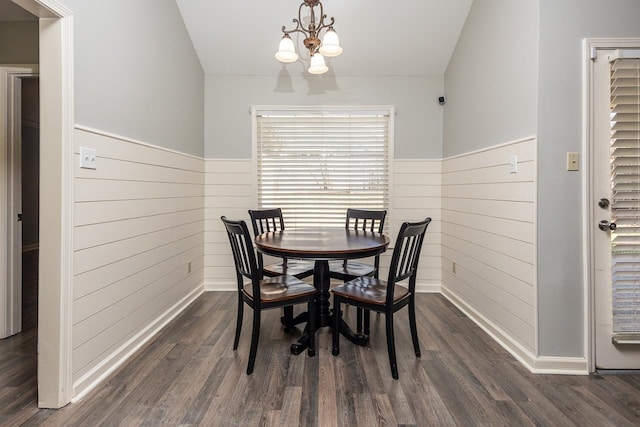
point(300, 269)
point(369, 290)
point(280, 288)
point(338, 270)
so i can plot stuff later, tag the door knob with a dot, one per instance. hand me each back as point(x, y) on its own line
point(605, 225)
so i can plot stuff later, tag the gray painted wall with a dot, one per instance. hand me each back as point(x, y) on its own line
point(563, 26)
point(418, 122)
point(136, 72)
point(499, 42)
point(19, 42)
point(491, 80)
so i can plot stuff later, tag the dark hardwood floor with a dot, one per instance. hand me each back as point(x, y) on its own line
point(189, 375)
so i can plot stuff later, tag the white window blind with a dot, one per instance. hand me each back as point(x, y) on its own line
point(625, 185)
point(315, 164)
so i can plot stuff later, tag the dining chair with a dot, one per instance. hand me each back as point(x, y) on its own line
point(263, 293)
point(346, 270)
point(388, 296)
point(266, 220)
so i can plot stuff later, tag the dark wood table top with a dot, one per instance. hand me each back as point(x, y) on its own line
point(322, 243)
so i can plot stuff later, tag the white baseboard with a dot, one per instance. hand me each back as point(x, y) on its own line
point(220, 285)
point(535, 364)
point(98, 374)
point(428, 288)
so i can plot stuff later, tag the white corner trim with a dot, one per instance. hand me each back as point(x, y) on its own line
point(535, 364)
point(112, 362)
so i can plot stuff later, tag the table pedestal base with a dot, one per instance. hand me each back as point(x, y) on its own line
point(321, 280)
point(303, 342)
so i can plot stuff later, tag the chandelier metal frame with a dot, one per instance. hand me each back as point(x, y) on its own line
point(329, 46)
point(312, 41)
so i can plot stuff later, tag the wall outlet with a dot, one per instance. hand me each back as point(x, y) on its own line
point(87, 158)
point(189, 267)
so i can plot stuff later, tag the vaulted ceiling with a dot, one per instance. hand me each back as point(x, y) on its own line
point(399, 37)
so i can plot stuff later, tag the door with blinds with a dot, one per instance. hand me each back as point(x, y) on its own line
point(616, 210)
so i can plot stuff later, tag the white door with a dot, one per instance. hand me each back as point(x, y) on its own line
point(615, 193)
point(11, 198)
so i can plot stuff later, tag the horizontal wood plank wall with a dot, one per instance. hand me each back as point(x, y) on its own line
point(139, 222)
point(229, 190)
point(488, 232)
point(416, 195)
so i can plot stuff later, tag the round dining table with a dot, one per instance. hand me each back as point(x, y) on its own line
point(322, 245)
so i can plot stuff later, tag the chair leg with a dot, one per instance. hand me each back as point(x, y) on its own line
point(288, 319)
point(312, 327)
point(412, 326)
point(336, 326)
point(255, 336)
point(367, 322)
point(238, 322)
point(391, 346)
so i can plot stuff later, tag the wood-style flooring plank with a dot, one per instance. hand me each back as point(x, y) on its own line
point(188, 375)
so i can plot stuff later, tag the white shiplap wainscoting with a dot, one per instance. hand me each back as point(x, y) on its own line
point(488, 242)
point(229, 191)
point(230, 188)
point(138, 248)
point(415, 196)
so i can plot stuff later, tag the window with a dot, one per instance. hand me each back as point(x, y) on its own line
point(314, 163)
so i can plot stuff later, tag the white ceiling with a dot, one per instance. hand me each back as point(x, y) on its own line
point(399, 37)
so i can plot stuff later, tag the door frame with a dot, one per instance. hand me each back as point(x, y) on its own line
point(10, 192)
point(55, 375)
point(590, 48)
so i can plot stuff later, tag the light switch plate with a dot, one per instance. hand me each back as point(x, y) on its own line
point(87, 158)
point(513, 164)
point(573, 161)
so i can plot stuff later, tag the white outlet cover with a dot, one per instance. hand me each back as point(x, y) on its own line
point(87, 158)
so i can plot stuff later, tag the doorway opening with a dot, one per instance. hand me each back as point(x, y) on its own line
point(55, 234)
point(30, 190)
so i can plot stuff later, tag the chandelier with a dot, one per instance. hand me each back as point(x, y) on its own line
point(329, 47)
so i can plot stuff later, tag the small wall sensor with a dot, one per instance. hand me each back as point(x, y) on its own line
point(442, 100)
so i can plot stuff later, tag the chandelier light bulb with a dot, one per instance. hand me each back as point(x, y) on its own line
point(286, 51)
point(317, 65)
point(330, 44)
